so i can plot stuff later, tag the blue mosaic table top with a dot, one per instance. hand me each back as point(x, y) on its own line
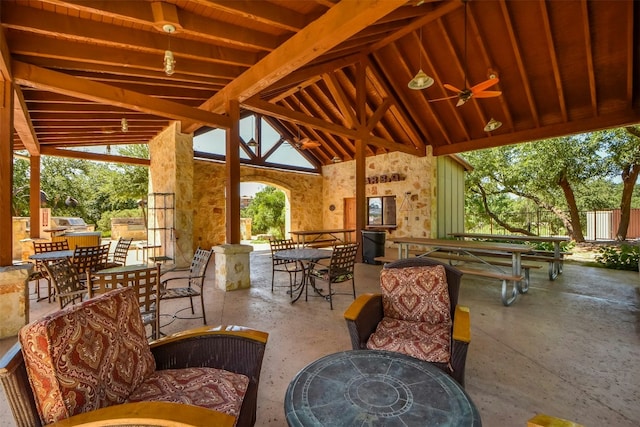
point(376, 388)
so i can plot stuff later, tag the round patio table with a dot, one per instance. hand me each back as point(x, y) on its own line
point(376, 388)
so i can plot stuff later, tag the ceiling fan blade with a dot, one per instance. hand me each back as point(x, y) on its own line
point(452, 88)
point(484, 85)
point(310, 144)
point(487, 94)
point(443, 99)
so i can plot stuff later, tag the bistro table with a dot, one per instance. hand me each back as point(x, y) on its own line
point(304, 256)
point(376, 388)
point(51, 255)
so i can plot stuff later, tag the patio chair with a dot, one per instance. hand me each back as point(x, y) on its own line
point(145, 281)
point(215, 368)
point(290, 267)
point(339, 270)
point(39, 271)
point(66, 282)
point(195, 282)
point(433, 327)
point(88, 259)
point(119, 256)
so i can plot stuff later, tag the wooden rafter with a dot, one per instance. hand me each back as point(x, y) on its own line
point(22, 124)
point(74, 154)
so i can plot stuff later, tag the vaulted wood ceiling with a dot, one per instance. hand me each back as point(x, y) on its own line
point(332, 71)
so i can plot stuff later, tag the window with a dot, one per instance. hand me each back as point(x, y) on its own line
point(381, 210)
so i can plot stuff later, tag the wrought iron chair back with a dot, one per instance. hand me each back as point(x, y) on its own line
point(66, 282)
point(340, 269)
point(288, 266)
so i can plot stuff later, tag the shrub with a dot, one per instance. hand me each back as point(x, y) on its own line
point(624, 257)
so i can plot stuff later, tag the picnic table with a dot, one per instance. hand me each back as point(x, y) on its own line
point(480, 252)
point(321, 238)
point(554, 258)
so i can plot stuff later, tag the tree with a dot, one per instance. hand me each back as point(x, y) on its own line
point(549, 174)
point(623, 146)
point(267, 211)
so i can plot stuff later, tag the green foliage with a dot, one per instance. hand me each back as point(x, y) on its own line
point(267, 211)
point(98, 187)
point(623, 257)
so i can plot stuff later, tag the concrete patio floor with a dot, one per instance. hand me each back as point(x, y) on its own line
point(569, 348)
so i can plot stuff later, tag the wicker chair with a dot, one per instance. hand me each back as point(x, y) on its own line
point(233, 349)
point(364, 315)
point(283, 265)
point(339, 270)
point(40, 272)
point(195, 282)
point(69, 289)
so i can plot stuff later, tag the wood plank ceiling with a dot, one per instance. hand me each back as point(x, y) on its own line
point(81, 66)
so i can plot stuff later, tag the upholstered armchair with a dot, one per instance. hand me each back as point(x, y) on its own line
point(416, 313)
point(95, 355)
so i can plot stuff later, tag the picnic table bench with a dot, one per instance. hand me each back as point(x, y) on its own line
point(467, 250)
point(554, 258)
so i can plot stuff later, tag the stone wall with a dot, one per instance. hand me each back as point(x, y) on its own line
point(417, 178)
point(303, 191)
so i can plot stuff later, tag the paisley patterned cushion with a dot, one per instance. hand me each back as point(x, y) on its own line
point(417, 294)
point(88, 356)
point(211, 388)
point(417, 339)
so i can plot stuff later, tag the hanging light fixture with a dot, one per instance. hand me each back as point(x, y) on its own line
point(169, 61)
point(252, 142)
point(492, 125)
point(421, 80)
point(336, 159)
point(124, 125)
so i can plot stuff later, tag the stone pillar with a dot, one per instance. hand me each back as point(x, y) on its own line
point(232, 266)
point(14, 299)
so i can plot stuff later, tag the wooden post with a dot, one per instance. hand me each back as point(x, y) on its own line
point(361, 159)
point(34, 196)
point(6, 171)
point(232, 164)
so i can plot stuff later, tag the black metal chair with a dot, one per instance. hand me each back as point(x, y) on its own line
point(340, 269)
point(195, 282)
point(69, 289)
point(119, 256)
point(288, 266)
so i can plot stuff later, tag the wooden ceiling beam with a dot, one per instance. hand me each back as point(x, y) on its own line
point(281, 113)
point(74, 154)
point(631, 49)
point(616, 119)
point(41, 78)
point(553, 57)
point(32, 46)
point(446, 8)
point(586, 28)
point(190, 24)
point(340, 22)
point(526, 84)
point(340, 98)
point(5, 58)
point(22, 123)
point(262, 12)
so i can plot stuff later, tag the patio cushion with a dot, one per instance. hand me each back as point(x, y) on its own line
point(210, 388)
point(417, 339)
point(417, 294)
point(88, 356)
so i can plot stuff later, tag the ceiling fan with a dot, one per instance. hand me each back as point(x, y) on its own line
point(306, 143)
point(477, 91)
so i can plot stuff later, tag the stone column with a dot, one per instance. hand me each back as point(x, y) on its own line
point(171, 171)
point(14, 299)
point(232, 266)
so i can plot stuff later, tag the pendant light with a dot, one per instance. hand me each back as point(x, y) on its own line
point(421, 80)
point(169, 61)
point(492, 125)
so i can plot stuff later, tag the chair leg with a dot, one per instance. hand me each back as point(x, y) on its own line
point(330, 296)
point(204, 316)
point(273, 277)
point(191, 301)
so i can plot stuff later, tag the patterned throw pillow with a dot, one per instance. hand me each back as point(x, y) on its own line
point(88, 356)
point(417, 294)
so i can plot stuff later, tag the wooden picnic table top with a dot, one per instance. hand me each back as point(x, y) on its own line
point(312, 232)
point(462, 244)
point(514, 237)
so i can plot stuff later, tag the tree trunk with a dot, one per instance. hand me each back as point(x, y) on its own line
point(573, 208)
point(629, 178)
point(501, 223)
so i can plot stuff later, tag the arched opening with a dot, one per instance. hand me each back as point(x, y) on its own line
point(265, 212)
